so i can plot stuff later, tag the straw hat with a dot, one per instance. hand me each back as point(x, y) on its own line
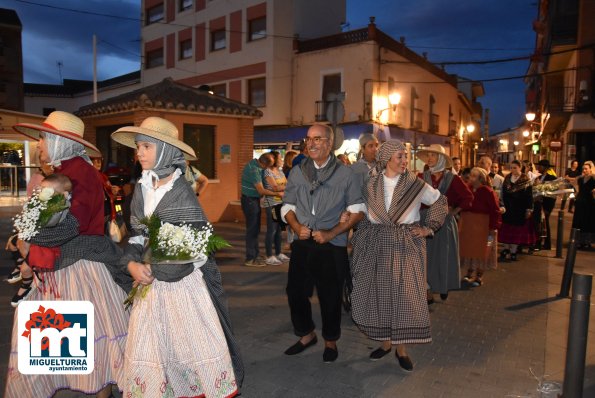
point(158, 128)
point(59, 123)
point(434, 148)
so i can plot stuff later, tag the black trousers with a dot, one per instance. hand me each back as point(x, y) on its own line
point(324, 267)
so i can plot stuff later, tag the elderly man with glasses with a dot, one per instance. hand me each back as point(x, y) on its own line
point(317, 192)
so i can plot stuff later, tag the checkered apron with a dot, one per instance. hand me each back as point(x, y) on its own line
point(388, 269)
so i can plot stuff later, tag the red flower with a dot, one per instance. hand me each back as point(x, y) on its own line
point(43, 319)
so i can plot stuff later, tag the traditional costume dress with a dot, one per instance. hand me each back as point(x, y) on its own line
point(81, 273)
point(584, 209)
point(517, 196)
point(475, 226)
point(388, 268)
point(443, 248)
point(180, 331)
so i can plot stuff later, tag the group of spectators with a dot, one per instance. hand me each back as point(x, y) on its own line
point(411, 235)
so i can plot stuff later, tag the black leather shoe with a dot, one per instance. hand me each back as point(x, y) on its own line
point(443, 296)
point(329, 355)
point(299, 347)
point(404, 362)
point(379, 354)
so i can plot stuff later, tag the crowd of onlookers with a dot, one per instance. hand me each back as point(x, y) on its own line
point(518, 220)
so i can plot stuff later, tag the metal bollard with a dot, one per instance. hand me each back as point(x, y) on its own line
point(578, 329)
point(569, 264)
point(560, 237)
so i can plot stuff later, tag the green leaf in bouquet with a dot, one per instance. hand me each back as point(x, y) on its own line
point(56, 204)
point(215, 244)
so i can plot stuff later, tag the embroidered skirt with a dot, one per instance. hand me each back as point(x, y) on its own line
point(389, 284)
point(84, 281)
point(517, 234)
point(176, 346)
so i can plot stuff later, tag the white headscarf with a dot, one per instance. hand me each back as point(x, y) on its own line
point(61, 148)
point(440, 165)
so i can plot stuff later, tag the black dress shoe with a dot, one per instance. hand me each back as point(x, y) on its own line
point(443, 296)
point(329, 355)
point(378, 354)
point(404, 362)
point(299, 347)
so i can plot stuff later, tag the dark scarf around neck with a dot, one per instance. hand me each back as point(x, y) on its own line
point(317, 177)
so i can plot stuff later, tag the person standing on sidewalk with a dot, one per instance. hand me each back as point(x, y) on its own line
point(571, 175)
point(443, 248)
point(517, 228)
point(274, 180)
point(368, 149)
point(317, 192)
point(584, 216)
point(544, 206)
point(252, 191)
point(478, 227)
point(389, 255)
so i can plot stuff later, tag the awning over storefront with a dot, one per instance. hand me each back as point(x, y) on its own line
point(417, 138)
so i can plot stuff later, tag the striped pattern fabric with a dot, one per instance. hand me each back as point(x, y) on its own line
point(176, 346)
point(180, 205)
point(87, 281)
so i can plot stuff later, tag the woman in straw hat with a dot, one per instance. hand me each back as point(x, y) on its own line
point(177, 336)
point(81, 270)
point(443, 248)
point(389, 255)
point(478, 227)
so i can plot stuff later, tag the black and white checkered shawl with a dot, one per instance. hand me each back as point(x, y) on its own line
point(75, 247)
point(179, 205)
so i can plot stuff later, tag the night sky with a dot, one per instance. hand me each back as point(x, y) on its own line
point(461, 30)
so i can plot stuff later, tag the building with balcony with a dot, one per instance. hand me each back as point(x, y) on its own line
point(388, 89)
point(242, 49)
point(11, 61)
point(560, 82)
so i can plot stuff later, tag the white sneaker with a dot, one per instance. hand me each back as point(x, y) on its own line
point(283, 258)
point(273, 261)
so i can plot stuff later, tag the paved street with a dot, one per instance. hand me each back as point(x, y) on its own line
point(486, 342)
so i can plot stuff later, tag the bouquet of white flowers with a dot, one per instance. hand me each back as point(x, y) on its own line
point(175, 244)
point(45, 208)
point(552, 189)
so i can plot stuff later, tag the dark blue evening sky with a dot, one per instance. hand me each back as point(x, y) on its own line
point(447, 30)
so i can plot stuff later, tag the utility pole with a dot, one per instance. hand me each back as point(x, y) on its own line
point(94, 68)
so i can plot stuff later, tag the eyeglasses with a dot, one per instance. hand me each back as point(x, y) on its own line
point(315, 140)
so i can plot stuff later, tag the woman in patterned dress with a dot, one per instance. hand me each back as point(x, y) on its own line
point(443, 248)
point(176, 341)
point(389, 255)
point(81, 271)
point(517, 225)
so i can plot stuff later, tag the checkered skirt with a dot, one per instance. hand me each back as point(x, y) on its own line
point(389, 284)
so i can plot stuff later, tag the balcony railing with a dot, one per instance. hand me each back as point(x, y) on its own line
point(452, 127)
point(321, 107)
point(418, 114)
point(434, 123)
point(561, 99)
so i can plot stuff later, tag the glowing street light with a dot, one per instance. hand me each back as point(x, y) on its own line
point(394, 98)
point(470, 127)
point(530, 116)
point(526, 133)
point(515, 143)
